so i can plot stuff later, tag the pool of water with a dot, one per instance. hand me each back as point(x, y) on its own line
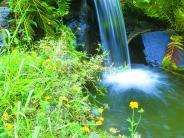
point(164, 113)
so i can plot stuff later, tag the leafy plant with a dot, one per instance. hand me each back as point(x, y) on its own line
point(174, 52)
point(166, 10)
point(133, 123)
point(44, 94)
point(33, 15)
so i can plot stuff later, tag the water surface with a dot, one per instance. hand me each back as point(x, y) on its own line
point(164, 113)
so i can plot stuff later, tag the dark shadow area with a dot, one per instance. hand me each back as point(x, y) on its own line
point(136, 48)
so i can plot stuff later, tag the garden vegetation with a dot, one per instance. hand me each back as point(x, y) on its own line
point(44, 81)
point(46, 85)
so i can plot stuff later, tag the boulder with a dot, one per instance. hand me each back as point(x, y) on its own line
point(155, 46)
point(4, 24)
point(4, 17)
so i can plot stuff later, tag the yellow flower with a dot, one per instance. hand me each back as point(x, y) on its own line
point(100, 110)
point(134, 104)
point(49, 23)
point(78, 28)
point(113, 130)
point(67, 105)
point(99, 123)
point(121, 136)
point(47, 98)
point(5, 116)
point(101, 119)
point(47, 61)
point(9, 126)
point(65, 99)
point(46, 48)
point(86, 129)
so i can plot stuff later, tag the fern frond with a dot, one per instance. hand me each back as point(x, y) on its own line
point(41, 15)
point(174, 52)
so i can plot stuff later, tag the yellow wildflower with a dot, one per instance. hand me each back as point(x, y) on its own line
point(100, 110)
point(99, 123)
point(87, 110)
point(47, 61)
point(101, 119)
point(5, 116)
point(47, 98)
point(9, 126)
point(78, 28)
point(86, 129)
point(121, 136)
point(67, 105)
point(134, 104)
point(113, 130)
point(46, 48)
point(65, 99)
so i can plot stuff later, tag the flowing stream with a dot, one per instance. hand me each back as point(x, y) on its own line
point(160, 94)
point(112, 32)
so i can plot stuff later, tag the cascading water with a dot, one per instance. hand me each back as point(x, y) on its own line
point(112, 31)
point(160, 100)
point(114, 41)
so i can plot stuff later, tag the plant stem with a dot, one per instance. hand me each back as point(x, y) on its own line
point(132, 124)
point(140, 117)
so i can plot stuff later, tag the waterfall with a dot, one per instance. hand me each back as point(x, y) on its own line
point(112, 32)
point(114, 41)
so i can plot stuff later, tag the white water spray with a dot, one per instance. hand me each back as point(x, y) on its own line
point(142, 80)
point(114, 41)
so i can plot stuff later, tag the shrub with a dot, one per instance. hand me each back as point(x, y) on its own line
point(36, 18)
point(166, 10)
point(43, 93)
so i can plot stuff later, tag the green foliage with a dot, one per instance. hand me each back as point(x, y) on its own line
point(132, 121)
point(167, 10)
point(3, 2)
point(174, 53)
point(36, 18)
point(43, 93)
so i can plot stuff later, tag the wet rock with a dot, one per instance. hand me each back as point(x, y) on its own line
point(4, 24)
point(136, 49)
point(155, 46)
point(83, 22)
point(4, 17)
point(80, 29)
point(182, 62)
point(94, 135)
